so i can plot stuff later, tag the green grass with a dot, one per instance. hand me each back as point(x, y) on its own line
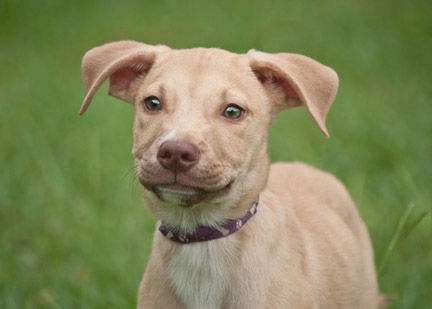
point(74, 232)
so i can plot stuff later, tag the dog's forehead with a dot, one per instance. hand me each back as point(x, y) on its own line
point(198, 61)
point(204, 69)
point(198, 57)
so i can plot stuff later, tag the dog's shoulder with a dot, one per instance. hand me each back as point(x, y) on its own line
point(297, 174)
point(309, 187)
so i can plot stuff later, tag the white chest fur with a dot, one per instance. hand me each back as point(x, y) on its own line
point(199, 274)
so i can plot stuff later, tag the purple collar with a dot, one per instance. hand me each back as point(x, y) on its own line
point(205, 233)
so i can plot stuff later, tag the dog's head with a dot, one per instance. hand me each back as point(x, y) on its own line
point(202, 118)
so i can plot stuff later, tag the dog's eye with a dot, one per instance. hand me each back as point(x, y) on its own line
point(152, 104)
point(233, 111)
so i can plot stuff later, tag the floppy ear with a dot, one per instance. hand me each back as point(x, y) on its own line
point(292, 80)
point(123, 62)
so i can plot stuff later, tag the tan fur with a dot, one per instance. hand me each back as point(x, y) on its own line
point(307, 246)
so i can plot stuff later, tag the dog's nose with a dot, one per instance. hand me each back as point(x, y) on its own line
point(178, 156)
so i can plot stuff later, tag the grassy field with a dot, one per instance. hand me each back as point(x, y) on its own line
point(74, 232)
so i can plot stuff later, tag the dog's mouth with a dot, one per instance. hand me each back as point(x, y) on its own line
point(185, 195)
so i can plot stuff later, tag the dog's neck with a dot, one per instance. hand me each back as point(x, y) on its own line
point(207, 233)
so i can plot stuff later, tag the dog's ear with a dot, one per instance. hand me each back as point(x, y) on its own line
point(292, 80)
point(123, 62)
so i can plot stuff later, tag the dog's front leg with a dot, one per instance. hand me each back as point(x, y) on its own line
point(154, 293)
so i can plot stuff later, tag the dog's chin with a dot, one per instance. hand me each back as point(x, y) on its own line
point(184, 195)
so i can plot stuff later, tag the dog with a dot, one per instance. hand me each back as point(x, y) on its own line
point(234, 231)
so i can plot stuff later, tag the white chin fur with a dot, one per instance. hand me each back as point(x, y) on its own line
point(173, 196)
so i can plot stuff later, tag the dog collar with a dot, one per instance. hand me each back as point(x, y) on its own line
point(205, 233)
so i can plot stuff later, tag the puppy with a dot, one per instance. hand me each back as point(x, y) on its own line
point(233, 230)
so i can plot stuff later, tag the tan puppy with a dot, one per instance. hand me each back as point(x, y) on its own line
point(200, 145)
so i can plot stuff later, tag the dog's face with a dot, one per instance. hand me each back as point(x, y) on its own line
point(212, 113)
point(202, 119)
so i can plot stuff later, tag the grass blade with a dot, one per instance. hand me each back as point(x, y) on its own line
point(396, 236)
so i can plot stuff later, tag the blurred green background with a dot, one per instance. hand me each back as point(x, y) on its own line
point(74, 231)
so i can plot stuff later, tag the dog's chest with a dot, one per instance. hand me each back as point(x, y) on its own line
point(199, 274)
